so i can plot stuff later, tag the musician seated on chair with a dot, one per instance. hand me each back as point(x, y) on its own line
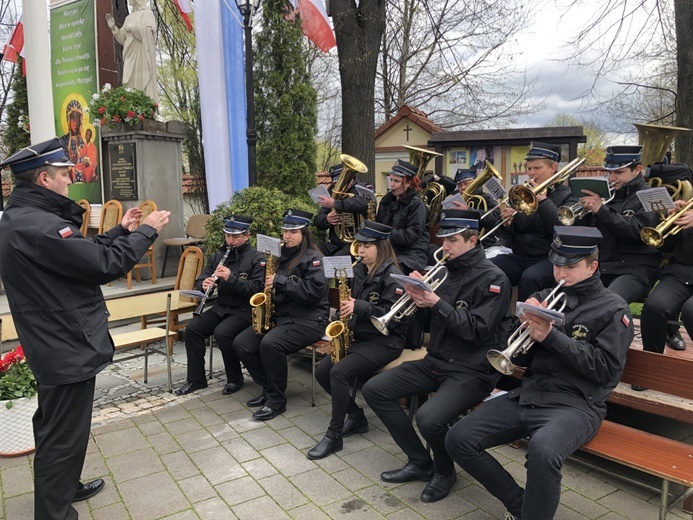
point(332, 211)
point(240, 276)
point(301, 310)
point(373, 292)
point(562, 400)
point(529, 237)
point(628, 266)
point(467, 317)
point(463, 179)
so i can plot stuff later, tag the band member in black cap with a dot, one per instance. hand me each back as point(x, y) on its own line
point(239, 277)
point(628, 266)
point(301, 312)
point(530, 236)
point(405, 213)
point(333, 209)
point(467, 317)
point(373, 292)
point(52, 276)
point(572, 370)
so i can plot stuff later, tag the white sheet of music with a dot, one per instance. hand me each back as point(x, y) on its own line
point(271, 244)
point(494, 187)
point(656, 199)
point(331, 266)
point(317, 192)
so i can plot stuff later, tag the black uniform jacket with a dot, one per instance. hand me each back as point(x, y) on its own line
point(580, 363)
point(355, 204)
point(52, 276)
point(680, 264)
point(247, 278)
point(301, 294)
point(621, 251)
point(470, 318)
point(409, 236)
point(531, 236)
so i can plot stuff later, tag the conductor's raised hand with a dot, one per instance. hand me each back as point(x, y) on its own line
point(157, 219)
point(131, 218)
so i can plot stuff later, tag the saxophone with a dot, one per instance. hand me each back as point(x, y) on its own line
point(263, 307)
point(338, 331)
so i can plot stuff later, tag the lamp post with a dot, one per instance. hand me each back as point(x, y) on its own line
point(247, 9)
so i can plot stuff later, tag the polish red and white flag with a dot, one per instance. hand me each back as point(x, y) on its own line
point(184, 8)
point(315, 24)
point(15, 44)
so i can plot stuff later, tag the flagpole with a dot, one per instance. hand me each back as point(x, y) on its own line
point(38, 71)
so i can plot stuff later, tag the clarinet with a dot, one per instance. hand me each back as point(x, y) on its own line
point(210, 289)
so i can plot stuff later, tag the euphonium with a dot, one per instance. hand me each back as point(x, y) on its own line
point(520, 341)
point(339, 331)
point(263, 307)
point(433, 194)
point(477, 201)
point(349, 223)
point(568, 214)
point(655, 237)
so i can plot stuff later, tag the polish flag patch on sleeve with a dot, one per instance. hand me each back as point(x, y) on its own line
point(263, 263)
point(65, 232)
point(316, 263)
point(399, 291)
point(495, 289)
point(625, 320)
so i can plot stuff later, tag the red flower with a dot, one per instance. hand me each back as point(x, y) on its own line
point(102, 110)
point(156, 105)
point(140, 117)
point(130, 113)
point(122, 98)
point(116, 118)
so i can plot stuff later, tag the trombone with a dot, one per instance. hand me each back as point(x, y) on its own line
point(569, 214)
point(520, 341)
point(404, 306)
point(655, 237)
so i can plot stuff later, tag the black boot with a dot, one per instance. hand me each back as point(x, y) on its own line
point(330, 443)
point(356, 423)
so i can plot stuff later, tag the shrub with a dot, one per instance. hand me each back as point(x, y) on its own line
point(16, 378)
point(121, 105)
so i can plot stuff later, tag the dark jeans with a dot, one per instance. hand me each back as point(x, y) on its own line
point(529, 274)
point(455, 393)
point(265, 356)
point(225, 330)
point(665, 302)
point(61, 431)
point(555, 434)
point(630, 287)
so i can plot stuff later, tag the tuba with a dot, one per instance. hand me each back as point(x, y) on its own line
point(434, 193)
point(263, 307)
point(349, 223)
point(656, 141)
point(477, 201)
point(339, 331)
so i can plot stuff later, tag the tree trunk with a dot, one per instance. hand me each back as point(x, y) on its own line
point(358, 31)
point(683, 10)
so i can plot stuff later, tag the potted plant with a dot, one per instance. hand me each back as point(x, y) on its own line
point(121, 107)
point(18, 403)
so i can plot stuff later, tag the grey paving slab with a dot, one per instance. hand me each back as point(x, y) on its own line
point(197, 440)
point(217, 465)
point(17, 480)
point(214, 508)
point(320, 487)
point(121, 441)
point(259, 468)
point(284, 492)
point(240, 490)
point(381, 500)
point(354, 508)
point(197, 489)
point(153, 496)
point(309, 512)
point(241, 450)
point(163, 443)
point(179, 465)
point(113, 512)
point(263, 507)
point(288, 460)
point(135, 464)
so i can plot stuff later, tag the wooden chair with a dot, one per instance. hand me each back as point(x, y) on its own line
point(194, 234)
point(111, 215)
point(147, 207)
point(85, 218)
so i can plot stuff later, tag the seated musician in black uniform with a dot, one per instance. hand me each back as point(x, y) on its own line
point(301, 312)
point(562, 400)
point(530, 236)
point(628, 266)
point(332, 210)
point(240, 276)
point(373, 292)
point(467, 316)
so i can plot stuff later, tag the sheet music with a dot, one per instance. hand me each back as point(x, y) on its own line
point(318, 191)
point(330, 264)
point(192, 294)
point(449, 202)
point(364, 192)
point(656, 199)
point(408, 280)
point(271, 244)
point(495, 188)
point(555, 317)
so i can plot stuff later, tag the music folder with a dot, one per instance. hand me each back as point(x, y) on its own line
point(598, 185)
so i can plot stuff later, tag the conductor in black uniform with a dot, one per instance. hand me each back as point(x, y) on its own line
point(241, 276)
point(467, 317)
point(52, 276)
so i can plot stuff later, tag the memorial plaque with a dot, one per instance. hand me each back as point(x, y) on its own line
point(121, 163)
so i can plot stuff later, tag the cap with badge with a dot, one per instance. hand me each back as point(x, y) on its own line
point(296, 219)
point(237, 224)
point(403, 169)
point(454, 221)
point(539, 150)
point(572, 244)
point(464, 174)
point(618, 157)
point(47, 153)
point(335, 171)
point(372, 231)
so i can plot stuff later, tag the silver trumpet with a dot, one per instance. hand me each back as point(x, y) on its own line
point(569, 214)
point(404, 306)
point(520, 341)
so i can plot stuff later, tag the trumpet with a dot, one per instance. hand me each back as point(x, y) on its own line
point(568, 214)
point(520, 341)
point(404, 306)
point(210, 289)
point(655, 237)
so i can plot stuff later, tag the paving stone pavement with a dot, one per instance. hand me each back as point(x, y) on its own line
point(202, 457)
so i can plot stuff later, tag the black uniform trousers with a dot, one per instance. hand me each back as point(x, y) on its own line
point(455, 393)
point(265, 356)
point(225, 330)
point(332, 249)
point(337, 379)
point(61, 431)
point(531, 275)
point(665, 302)
point(630, 287)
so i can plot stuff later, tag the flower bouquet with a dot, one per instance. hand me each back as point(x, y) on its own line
point(16, 378)
point(111, 106)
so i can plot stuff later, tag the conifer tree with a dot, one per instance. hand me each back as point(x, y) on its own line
point(16, 136)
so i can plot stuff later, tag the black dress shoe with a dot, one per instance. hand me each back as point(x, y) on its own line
point(266, 413)
point(356, 423)
point(675, 341)
point(190, 387)
point(232, 388)
point(638, 388)
point(260, 400)
point(438, 487)
point(88, 490)
point(408, 473)
point(330, 443)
